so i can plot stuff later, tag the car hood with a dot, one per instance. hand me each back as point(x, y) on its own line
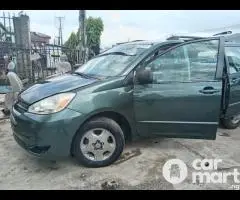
point(53, 86)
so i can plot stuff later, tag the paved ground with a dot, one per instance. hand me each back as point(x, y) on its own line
point(139, 168)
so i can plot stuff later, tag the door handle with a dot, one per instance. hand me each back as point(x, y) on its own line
point(209, 90)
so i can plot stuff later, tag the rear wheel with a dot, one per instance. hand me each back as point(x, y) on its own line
point(232, 122)
point(98, 143)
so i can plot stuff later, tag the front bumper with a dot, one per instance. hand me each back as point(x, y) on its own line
point(47, 136)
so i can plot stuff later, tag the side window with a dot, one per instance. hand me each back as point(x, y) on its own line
point(195, 61)
point(233, 57)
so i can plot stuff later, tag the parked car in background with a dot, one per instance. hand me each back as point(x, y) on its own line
point(175, 88)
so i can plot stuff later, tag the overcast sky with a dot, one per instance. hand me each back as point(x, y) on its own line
point(123, 25)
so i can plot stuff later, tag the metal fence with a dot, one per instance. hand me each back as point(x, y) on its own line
point(35, 64)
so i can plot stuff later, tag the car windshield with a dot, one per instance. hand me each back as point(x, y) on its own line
point(113, 61)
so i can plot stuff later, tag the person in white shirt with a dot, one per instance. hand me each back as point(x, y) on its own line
point(16, 86)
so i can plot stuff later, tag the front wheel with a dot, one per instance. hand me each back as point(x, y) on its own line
point(232, 122)
point(98, 143)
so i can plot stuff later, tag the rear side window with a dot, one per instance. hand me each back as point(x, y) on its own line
point(233, 57)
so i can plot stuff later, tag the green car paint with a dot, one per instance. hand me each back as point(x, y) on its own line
point(167, 109)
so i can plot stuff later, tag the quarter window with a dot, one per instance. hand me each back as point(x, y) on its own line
point(233, 57)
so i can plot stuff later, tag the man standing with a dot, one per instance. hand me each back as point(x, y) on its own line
point(10, 96)
point(16, 86)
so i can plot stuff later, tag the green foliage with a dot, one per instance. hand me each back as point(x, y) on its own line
point(94, 29)
point(71, 44)
point(72, 41)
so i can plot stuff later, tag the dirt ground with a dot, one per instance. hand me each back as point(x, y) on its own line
point(140, 166)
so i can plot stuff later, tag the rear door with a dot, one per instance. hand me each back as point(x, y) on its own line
point(233, 65)
point(184, 99)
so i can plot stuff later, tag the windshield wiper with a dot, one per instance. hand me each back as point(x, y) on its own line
point(85, 75)
point(117, 53)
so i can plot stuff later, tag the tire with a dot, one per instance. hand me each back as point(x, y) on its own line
point(229, 123)
point(86, 138)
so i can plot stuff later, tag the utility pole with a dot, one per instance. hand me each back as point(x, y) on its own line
point(4, 24)
point(82, 35)
point(60, 40)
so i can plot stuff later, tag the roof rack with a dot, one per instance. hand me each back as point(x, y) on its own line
point(223, 33)
point(228, 35)
point(184, 38)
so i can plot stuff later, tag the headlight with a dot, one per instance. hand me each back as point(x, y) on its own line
point(51, 104)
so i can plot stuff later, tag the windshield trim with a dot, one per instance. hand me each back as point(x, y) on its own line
point(116, 53)
point(117, 75)
point(135, 57)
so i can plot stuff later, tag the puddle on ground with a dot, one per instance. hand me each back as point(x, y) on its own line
point(128, 155)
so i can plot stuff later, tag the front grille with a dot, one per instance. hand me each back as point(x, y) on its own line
point(21, 106)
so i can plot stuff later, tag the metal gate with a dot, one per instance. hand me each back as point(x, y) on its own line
point(35, 64)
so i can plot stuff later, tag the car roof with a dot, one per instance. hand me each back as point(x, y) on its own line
point(151, 43)
point(178, 39)
point(147, 42)
point(154, 42)
point(172, 39)
point(138, 42)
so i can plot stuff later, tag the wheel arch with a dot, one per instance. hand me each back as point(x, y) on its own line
point(116, 116)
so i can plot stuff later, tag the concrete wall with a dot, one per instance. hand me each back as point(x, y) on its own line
point(23, 43)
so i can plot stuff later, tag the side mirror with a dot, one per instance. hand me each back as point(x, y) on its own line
point(144, 76)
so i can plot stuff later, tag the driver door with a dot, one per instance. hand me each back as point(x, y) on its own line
point(184, 99)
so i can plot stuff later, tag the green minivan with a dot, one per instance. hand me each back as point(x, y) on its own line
point(175, 88)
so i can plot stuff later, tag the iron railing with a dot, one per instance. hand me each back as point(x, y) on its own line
point(35, 64)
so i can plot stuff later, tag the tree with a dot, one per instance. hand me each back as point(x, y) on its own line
point(94, 29)
point(71, 45)
point(72, 41)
